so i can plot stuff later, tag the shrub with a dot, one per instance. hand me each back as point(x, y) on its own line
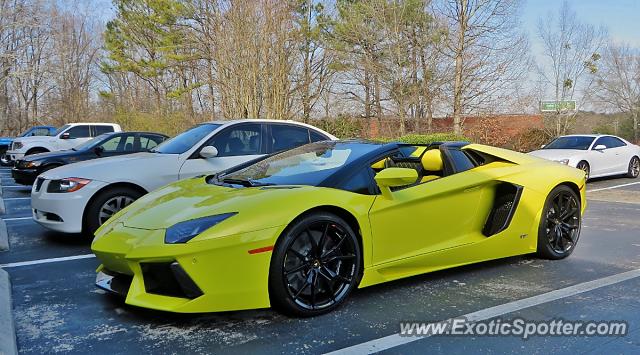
point(529, 140)
point(341, 127)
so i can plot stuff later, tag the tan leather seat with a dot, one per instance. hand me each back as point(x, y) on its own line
point(432, 162)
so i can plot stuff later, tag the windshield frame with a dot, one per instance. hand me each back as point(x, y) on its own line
point(215, 128)
point(549, 145)
point(331, 179)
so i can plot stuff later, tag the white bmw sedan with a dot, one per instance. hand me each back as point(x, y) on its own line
point(598, 155)
point(80, 197)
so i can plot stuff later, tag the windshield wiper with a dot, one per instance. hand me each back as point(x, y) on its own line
point(245, 183)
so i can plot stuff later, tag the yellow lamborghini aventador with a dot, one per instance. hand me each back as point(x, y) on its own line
point(299, 230)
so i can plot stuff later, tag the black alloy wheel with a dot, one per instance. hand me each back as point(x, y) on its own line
point(560, 224)
point(315, 266)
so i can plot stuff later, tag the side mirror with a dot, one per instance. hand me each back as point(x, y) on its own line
point(600, 147)
point(65, 135)
point(98, 150)
point(208, 152)
point(392, 177)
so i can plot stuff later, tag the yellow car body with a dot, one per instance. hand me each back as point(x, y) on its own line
point(423, 228)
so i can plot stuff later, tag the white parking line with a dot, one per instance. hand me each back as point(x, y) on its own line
point(47, 261)
point(22, 186)
point(614, 187)
point(17, 219)
point(395, 340)
point(17, 198)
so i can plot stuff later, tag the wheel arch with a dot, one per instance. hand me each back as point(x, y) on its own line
point(37, 148)
point(109, 187)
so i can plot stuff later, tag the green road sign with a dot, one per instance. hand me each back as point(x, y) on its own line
point(555, 106)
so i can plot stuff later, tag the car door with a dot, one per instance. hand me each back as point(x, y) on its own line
point(622, 155)
point(74, 136)
point(435, 215)
point(602, 161)
point(236, 144)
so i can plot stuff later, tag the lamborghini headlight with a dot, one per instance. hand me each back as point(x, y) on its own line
point(185, 231)
point(563, 161)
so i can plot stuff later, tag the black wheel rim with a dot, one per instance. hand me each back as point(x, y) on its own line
point(635, 167)
point(584, 167)
point(320, 265)
point(563, 222)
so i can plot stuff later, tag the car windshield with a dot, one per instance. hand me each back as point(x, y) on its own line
point(185, 140)
point(571, 142)
point(90, 144)
point(306, 165)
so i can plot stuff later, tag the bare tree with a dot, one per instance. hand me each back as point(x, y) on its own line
point(618, 82)
point(571, 53)
point(489, 51)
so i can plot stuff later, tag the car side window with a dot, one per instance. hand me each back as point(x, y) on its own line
point(316, 137)
point(111, 145)
point(460, 160)
point(615, 142)
point(359, 183)
point(129, 144)
point(149, 142)
point(284, 137)
point(98, 130)
point(243, 139)
point(79, 132)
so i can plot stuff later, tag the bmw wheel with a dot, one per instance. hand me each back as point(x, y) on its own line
point(634, 168)
point(584, 166)
point(105, 205)
point(560, 224)
point(315, 265)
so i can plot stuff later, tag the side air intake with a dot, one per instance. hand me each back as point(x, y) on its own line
point(504, 206)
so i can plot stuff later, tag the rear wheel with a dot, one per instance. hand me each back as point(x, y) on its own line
point(560, 223)
point(584, 166)
point(106, 204)
point(634, 168)
point(315, 265)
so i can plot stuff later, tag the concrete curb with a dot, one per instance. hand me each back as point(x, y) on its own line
point(4, 236)
point(8, 343)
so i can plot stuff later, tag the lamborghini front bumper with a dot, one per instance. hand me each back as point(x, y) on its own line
point(214, 275)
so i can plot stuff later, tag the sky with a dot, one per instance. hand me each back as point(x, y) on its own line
point(620, 17)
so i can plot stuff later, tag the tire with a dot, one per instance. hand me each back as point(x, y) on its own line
point(634, 168)
point(558, 234)
point(4, 160)
point(317, 280)
point(36, 151)
point(584, 166)
point(113, 199)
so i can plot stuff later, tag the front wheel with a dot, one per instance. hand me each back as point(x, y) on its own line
point(560, 224)
point(584, 166)
point(315, 265)
point(634, 168)
point(105, 205)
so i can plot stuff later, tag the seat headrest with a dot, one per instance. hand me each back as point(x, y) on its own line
point(432, 160)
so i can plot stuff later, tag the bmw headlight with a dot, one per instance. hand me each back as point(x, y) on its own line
point(67, 185)
point(185, 231)
point(29, 164)
point(563, 161)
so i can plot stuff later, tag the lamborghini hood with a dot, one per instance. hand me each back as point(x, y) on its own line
point(194, 198)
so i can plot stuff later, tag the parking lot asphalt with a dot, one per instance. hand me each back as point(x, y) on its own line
point(57, 308)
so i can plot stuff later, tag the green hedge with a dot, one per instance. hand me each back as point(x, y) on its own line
point(427, 138)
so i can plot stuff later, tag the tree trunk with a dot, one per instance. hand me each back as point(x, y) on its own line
point(457, 88)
